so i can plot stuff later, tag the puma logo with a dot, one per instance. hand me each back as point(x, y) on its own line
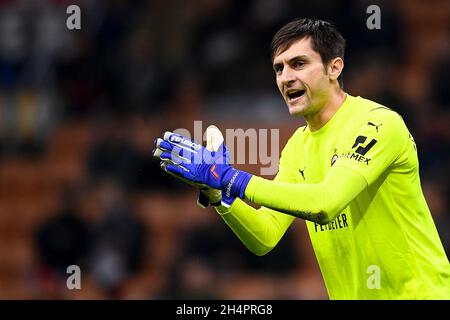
point(302, 172)
point(374, 125)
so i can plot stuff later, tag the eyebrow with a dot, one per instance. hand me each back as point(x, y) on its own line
point(300, 57)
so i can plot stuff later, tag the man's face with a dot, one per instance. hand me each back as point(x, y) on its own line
point(301, 78)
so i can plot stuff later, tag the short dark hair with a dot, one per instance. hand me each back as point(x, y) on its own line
point(325, 38)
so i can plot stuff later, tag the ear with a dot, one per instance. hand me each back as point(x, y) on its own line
point(335, 68)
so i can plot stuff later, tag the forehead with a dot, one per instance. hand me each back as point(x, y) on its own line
point(300, 47)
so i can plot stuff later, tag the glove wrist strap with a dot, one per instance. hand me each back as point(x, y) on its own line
point(234, 183)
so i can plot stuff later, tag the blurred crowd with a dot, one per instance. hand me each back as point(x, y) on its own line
point(79, 110)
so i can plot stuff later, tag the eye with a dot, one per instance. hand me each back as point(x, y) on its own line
point(278, 68)
point(299, 64)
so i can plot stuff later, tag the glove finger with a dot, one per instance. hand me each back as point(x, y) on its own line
point(167, 135)
point(179, 171)
point(173, 157)
point(165, 145)
point(162, 145)
point(156, 142)
point(157, 153)
point(182, 142)
point(163, 165)
point(213, 138)
point(169, 156)
point(186, 155)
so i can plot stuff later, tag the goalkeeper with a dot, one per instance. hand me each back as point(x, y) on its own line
point(352, 173)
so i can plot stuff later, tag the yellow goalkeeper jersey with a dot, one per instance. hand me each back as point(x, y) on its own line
point(384, 245)
point(382, 242)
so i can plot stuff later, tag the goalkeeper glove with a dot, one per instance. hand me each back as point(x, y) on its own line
point(193, 162)
point(207, 195)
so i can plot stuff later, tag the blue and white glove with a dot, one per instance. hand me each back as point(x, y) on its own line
point(206, 194)
point(194, 163)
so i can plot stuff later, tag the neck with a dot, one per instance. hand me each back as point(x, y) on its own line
point(333, 103)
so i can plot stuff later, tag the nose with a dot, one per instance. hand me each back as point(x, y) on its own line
point(287, 75)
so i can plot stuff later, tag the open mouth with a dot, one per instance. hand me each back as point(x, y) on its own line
point(293, 95)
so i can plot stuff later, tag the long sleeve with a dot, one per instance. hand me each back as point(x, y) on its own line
point(320, 202)
point(258, 229)
point(283, 199)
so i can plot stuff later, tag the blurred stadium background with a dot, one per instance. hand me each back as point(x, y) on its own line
point(79, 111)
